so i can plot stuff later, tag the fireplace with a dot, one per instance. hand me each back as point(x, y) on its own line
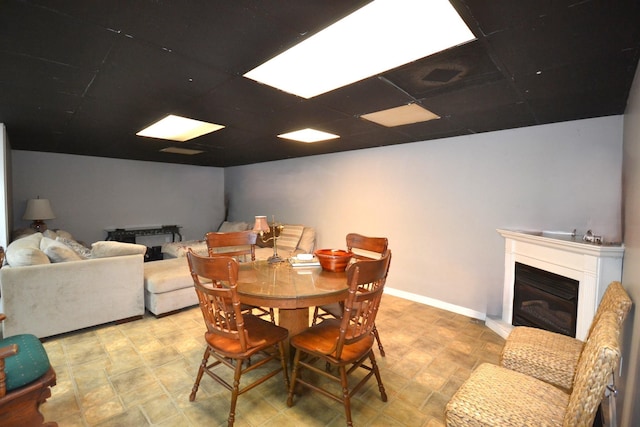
point(544, 300)
point(591, 266)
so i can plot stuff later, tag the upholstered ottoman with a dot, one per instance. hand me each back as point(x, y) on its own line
point(168, 286)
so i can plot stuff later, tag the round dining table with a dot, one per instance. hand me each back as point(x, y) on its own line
point(292, 290)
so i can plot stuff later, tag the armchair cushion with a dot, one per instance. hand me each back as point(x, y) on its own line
point(496, 396)
point(30, 363)
point(545, 355)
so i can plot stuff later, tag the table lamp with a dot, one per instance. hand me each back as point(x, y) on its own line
point(38, 210)
point(261, 227)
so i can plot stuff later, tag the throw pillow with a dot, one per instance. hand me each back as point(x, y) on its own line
point(307, 240)
point(50, 234)
point(20, 257)
point(26, 251)
point(289, 238)
point(108, 248)
point(83, 251)
point(28, 241)
point(22, 232)
point(64, 234)
point(228, 227)
point(57, 251)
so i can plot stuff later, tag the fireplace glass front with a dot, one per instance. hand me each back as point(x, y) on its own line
point(544, 300)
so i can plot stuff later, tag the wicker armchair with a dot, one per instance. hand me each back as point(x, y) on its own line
point(553, 357)
point(497, 396)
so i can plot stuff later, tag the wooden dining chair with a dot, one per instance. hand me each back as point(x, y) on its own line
point(240, 245)
point(345, 343)
point(233, 337)
point(363, 248)
point(26, 378)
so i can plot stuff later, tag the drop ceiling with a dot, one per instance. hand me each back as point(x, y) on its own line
point(82, 77)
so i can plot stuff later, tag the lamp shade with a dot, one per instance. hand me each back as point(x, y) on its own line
point(261, 224)
point(38, 209)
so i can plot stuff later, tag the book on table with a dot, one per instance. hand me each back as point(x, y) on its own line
point(296, 262)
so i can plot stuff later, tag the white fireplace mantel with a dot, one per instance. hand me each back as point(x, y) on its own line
point(594, 266)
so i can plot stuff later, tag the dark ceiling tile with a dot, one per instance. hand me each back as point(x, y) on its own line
point(242, 94)
point(221, 34)
point(466, 65)
point(83, 77)
point(46, 35)
point(497, 15)
point(307, 17)
point(34, 77)
point(366, 96)
point(497, 118)
point(575, 33)
point(601, 79)
point(146, 76)
point(470, 99)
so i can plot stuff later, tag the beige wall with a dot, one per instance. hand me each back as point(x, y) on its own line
point(630, 381)
point(440, 202)
point(89, 194)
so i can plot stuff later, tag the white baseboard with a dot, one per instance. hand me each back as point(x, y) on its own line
point(499, 326)
point(436, 303)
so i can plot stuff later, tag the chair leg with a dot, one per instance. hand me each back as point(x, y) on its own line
point(375, 333)
point(294, 375)
point(203, 366)
point(376, 371)
point(283, 362)
point(346, 400)
point(234, 393)
point(316, 312)
point(272, 315)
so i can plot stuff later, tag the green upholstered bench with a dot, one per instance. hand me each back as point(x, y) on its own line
point(26, 376)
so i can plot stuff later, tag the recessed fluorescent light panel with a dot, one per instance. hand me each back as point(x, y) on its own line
point(398, 116)
point(185, 151)
point(176, 128)
point(378, 37)
point(308, 135)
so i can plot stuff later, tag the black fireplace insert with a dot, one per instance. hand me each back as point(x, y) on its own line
point(544, 300)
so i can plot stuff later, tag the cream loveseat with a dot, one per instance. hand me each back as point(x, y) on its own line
point(168, 285)
point(48, 288)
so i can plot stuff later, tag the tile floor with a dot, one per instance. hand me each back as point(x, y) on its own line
point(141, 373)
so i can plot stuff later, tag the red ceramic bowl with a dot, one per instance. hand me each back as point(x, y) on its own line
point(335, 260)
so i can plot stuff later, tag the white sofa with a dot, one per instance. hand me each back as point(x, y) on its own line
point(50, 298)
point(168, 285)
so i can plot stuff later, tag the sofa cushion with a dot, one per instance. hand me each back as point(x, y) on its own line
point(108, 248)
point(167, 275)
point(57, 251)
point(289, 238)
point(26, 251)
